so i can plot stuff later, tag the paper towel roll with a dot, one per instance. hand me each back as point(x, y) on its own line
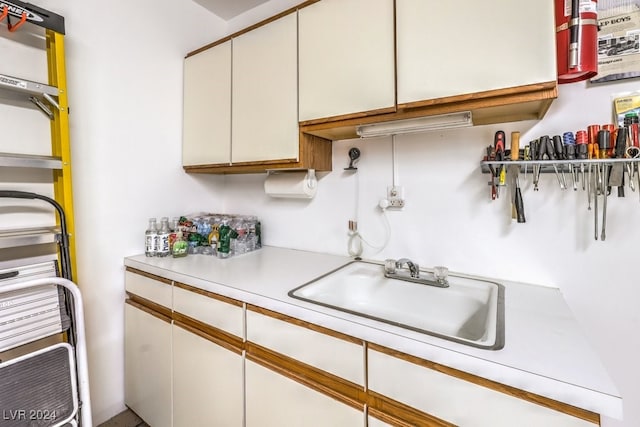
point(297, 185)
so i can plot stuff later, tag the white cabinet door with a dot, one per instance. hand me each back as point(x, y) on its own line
point(265, 92)
point(206, 136)
point(456, 400)
point(207, 382)
point(148, 366)
point(346, 57)
point(273, 400)
point(448, 48)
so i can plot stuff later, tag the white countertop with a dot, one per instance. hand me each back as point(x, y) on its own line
point(545, 351)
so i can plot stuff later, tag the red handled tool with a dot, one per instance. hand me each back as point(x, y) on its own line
point(499, 144)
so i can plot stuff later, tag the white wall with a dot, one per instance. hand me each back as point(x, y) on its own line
point(124, 66)
point(124, 74)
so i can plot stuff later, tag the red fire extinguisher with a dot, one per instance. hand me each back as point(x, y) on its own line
point(576, 40)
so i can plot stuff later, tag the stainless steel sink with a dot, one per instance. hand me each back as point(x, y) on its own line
point(469, 311)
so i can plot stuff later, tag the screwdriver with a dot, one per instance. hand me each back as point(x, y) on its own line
point(612, 141)
point(491, 156)
point(581, 151)
point(592, 144)
point(620, 150)
point(604, 142)
point(533, 151)
point(570, 154)
point(559, 154)
point(515, 152)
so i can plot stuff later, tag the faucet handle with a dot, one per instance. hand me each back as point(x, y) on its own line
point(390, 266)
point(441, 273)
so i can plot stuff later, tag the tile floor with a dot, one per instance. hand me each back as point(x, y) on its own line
point(125, 419)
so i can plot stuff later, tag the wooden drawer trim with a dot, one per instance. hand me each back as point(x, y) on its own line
point(160, 315)
point(328, 384)
point(149, 275)
point(399, 414)
point(304, 324)
point(216, 339)
point(493, 385)
point(208, 294)
point(209, 330)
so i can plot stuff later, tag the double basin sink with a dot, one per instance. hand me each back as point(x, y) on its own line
point(468, 311)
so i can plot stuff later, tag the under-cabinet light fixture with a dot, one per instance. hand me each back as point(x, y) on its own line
point(422, 124)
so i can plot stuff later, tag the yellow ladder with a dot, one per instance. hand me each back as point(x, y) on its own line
point(60, 141)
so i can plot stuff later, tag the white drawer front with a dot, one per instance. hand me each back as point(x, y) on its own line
point(334, 355)
point(455, 400)
point(153, 290)
point(211, 311)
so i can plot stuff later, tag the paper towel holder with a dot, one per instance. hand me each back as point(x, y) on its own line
point(291, 183)
point(310, 180)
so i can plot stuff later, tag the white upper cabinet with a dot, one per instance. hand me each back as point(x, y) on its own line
point(346, 57)
point(449, 48)
point(206, 135)
point(265, 92)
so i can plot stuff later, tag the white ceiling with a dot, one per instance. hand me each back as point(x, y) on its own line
point(227, 9)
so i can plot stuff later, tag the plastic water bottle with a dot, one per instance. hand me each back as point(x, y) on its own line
point(151, 238)
point(163, 238)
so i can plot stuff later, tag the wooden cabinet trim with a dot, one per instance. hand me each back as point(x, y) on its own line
point(397, 413)
point(328, 384)
point(489, 94)
point(211, 331)
point(149, 275)
point(314, 152)
point(134, 302)
point(487, 108)
point(307, 325)
point(208, 294)
point(349, 116)
point(211, 334)
point(493, 385)
point(253, 27)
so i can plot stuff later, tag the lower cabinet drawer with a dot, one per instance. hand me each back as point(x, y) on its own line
point(341, 356)
point(217, 311)
point(156, 290)
point(455, 400)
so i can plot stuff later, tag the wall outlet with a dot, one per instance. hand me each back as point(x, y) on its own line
point(395, 196)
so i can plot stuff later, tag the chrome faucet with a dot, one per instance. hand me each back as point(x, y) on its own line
point(414, 269)
point(394, 270)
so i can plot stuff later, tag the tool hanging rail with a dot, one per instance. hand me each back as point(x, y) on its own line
point(596, 159)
